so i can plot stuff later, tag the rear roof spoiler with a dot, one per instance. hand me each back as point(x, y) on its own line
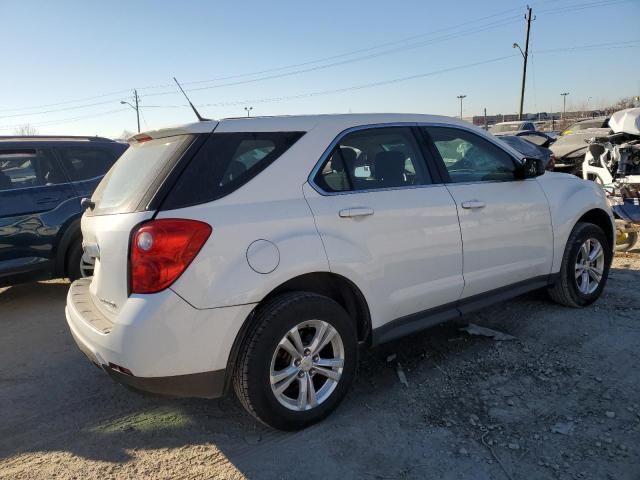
point(18, 138)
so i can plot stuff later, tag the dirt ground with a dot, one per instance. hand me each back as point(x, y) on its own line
point(561, 401)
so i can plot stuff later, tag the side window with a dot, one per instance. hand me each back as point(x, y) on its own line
point(85, 163)
point(226, 162)
point(28, 168)
point(375, 158)
point(469, 157)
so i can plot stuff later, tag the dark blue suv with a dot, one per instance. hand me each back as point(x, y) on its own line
point(42, 180)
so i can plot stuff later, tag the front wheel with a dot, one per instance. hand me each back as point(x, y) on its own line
point(585, 267)
point(299, 361)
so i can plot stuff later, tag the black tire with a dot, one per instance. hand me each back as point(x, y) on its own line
point(565, 291)
point(629, 242)
point(251, 379)
point(74, 257)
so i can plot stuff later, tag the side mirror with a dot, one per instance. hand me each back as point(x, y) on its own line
point(529, 167)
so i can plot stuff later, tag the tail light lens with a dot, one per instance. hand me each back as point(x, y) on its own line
point(161, 250)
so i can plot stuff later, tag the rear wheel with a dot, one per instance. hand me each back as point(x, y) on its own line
point(78, 266)
point(585, 267)
point(299, 361)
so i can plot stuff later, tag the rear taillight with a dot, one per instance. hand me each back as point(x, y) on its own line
point(161, 250)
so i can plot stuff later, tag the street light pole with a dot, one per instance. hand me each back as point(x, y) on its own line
point(460, 97)
point(248, 110)
point(136, 107)
point(525, 56)
point(564, 105)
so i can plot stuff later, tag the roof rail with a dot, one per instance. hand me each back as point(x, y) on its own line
point(56, 137)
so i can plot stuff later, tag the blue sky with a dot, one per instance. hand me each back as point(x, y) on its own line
point(64, 52)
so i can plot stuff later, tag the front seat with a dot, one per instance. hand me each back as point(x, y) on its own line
point(390, 169)
point(5, 181)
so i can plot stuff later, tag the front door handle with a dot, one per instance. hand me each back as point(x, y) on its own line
point(355, 212)
point(473, 204)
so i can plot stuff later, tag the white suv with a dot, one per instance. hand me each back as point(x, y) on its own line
point(262, 252)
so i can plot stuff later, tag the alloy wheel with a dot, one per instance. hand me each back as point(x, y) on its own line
point(589, 266)
point(307, 365)
point(87, 265)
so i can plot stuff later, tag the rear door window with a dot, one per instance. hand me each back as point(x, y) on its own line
point(372, 159)
point(225, 163)
point(84, 163)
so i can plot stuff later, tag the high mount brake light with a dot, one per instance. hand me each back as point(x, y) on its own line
point(161, 250)
point(142, 137)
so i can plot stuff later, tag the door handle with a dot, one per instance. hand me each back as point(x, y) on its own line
point(355, 212)
point(470, 204)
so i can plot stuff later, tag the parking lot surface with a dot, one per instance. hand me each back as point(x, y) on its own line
point(559, 401)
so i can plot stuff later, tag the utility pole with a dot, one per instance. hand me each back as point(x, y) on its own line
point(564, 105)
point(525, 57)
point(486, 127)
point(461, 97)
point(136, 107)
point(248, 110)
point(135, 95)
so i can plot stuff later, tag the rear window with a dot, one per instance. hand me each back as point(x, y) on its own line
point(225, 163)
point(136, 171)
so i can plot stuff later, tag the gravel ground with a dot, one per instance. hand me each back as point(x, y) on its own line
point(560, 401)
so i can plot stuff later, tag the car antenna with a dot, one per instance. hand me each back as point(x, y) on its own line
point(200, 118)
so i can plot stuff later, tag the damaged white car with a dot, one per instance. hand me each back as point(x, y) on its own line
point(613, 161)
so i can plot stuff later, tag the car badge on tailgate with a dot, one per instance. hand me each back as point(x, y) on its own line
point(109, 303)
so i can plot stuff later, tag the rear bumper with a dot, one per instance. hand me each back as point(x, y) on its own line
point(169, 347)
point(196, 385)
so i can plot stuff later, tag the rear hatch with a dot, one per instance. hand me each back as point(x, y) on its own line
point(125, 197)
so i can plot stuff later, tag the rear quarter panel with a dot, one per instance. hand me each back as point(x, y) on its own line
point(220, 275)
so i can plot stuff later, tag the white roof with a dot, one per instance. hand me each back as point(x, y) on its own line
point(300, 123)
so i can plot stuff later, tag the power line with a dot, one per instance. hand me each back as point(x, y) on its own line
point(342, 55)
point(343, 62)
point(333, 57)
point(60, 121)
point(295, 72)
point(583, 6)
point(338, 90)
point(385, 82)
point(361, 86)
point(386, 52)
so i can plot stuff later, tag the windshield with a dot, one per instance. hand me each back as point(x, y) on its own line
point(127, 182)
point(505, 127)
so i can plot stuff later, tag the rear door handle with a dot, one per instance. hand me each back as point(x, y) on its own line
point(470, 204)
point(355, 212)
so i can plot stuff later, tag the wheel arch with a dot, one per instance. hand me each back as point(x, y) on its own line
point(338, 288)
point(600, 218)
point(70, 233)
